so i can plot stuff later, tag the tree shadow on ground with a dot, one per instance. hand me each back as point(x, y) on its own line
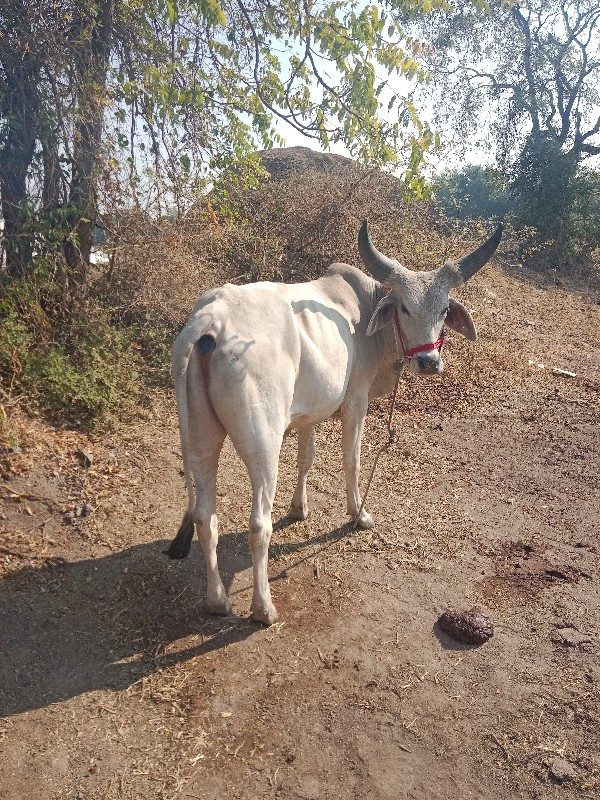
point(68, 628)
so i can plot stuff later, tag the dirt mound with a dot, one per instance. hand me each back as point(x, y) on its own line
point(283, 162)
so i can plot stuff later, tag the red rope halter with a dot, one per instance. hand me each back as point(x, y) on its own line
point(408, 354)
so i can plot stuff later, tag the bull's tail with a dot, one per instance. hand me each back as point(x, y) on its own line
point(194, 334)
point(182, 543)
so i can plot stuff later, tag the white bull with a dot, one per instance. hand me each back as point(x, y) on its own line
point(255, 361)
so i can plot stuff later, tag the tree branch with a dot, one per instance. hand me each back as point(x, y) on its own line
point(527, 62)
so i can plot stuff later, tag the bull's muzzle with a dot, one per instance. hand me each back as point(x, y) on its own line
point(428, 363)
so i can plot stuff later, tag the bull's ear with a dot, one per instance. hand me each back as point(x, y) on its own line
point(383, 314)
point(459, 319)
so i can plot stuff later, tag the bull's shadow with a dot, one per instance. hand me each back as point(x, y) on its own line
point(73, 627)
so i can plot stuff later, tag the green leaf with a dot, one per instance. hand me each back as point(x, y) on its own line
point(185, 162)
point(171, 11)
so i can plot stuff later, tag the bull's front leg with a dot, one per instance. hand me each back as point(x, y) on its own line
point(353, 420)
point(306, 457)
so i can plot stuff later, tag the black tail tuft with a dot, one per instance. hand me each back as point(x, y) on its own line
point(182, 543)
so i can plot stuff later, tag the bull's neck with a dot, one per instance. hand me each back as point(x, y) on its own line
point(386, 336)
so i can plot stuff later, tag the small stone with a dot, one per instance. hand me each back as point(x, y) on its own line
point(87, 510)
point(569, 637)
point(562, 770)
point(69, 517)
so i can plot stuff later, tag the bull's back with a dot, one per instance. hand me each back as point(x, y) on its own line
point(287, 348)
point(252, 366)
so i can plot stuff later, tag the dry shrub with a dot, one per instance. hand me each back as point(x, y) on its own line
point(158, 269)
point(305, 216)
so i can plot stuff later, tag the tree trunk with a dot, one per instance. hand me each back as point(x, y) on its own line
point(51, 190)
point(19, 110)
point(82, 197)
point(96, 25)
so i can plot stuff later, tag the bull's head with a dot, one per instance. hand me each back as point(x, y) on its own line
point(419, 303)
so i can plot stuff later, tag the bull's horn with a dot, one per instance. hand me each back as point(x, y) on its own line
point(381, 267)
point(467, 266)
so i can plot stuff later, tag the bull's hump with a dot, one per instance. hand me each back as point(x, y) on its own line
point(346, 272)
point(249, 298)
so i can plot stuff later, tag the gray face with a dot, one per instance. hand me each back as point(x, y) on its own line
point(422, 304)
point(419, 301)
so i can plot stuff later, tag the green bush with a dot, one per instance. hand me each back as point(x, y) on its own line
point(543, 188)
point(472, 192)
point(82, 371)
point(585, 217)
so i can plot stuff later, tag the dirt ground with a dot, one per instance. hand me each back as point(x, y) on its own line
point(115, 683)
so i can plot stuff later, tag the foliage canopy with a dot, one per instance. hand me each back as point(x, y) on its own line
point(532, 67)
point(144, 101)
point(526, 80)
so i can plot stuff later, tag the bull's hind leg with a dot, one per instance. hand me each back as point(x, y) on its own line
point(204, 469)
point(204, 516)
point(261, 457)
point(264, 483)
point(204, 435)
point(306, 457)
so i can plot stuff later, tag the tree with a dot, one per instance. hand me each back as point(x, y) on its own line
point(19, 121)
point(472, 192)
point(533, 68)
point(151, 98)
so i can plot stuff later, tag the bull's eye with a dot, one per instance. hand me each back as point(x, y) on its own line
point(403, 308)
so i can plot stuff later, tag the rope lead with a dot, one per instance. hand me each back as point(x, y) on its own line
point(391, 441)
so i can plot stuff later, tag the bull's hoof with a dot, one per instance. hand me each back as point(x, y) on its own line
point(266, 616)
point(365, 521)
point(220, 608)
point(298, 512)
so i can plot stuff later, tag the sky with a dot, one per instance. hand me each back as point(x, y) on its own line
point(449, 157)
point(436, 163)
